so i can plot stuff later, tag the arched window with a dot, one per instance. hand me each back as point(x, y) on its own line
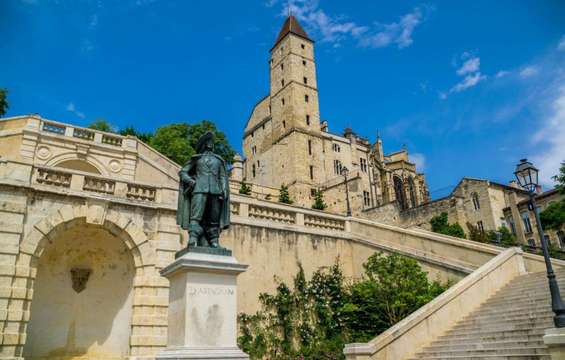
point(399, 192)
point(476, 203)
point(412, 191)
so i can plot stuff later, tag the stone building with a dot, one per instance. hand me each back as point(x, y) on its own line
point(285, 142)
point(522, 222)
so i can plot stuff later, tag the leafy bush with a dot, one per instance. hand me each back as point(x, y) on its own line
point(441, 225)
point(319, 203)
point(284, 196)
point(245, 188)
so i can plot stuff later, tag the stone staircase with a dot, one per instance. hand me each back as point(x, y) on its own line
point(509, 325)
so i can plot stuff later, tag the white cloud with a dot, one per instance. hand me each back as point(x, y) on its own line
point(528, 71)
point(470, 66)
point(72, 108)
point(420, 161)
point(551, 136)
point(502, 73)
point(93, 22)
point(468, 82)
point(335, 29)
point(561, 45)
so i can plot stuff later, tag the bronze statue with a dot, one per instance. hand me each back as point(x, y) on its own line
point(204, 195)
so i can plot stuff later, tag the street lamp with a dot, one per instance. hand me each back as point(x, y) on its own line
point(527, 176)
point(344, 172)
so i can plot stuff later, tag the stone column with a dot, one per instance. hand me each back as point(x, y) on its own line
point(203, 306)
point(554, 339)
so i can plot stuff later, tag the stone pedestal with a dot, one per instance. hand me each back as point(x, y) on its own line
point(554, 339)
point(203, 307)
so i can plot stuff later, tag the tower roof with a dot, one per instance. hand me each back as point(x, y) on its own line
point(291, 25)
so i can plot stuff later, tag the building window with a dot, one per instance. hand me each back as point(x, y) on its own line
point(531, 243)
point(254, 150)
point(363, 164)
point(527, 223)
point(307, 119)
point(366, 198)
point(548, 240)
point(337, 167)
point(284, 124)
point(311, 172)
point(253, 170)
point(309, 147)
point(305, 80)
point(476, 203)
point(312, 192)
point(282, 82)
point(336, 148)
point(282, 66)
point(511, 224)
point(480, 226)
point(282, 101)
point(304, 62)
point(561, 237)
point(305, 98)
point(258, 163)
point(302, 46)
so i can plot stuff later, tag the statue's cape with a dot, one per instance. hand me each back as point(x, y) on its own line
point(183, 208)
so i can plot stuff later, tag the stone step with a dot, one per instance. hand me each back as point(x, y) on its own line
point(533, 350)
point(486, 345)
point(488, 357)
point(486, 324)
point(523, 338)
point(494, 334)
point(505, 317)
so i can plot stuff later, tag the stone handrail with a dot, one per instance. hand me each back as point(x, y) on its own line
point(90, 135)
point(416, 331)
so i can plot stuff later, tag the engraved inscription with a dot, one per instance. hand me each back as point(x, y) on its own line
point(213, 291)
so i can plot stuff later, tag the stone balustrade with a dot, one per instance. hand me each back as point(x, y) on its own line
point(90, 135)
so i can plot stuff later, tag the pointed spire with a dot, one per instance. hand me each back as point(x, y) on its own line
point(291, 26)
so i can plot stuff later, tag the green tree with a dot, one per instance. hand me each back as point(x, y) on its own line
point(101, 125)
point(553, 217)
point(178, 141)
point(245, 188)
point(284, 196)
point(319, 203)
point(440, 224)
point(3, 102)
point(131, 131)
point(560, 178)
point(393, 287)
point(507, 239)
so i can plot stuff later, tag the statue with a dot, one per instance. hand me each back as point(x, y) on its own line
point(204, 196)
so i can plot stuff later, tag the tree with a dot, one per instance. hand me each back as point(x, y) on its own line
point(244, 189)
point(560, 178)
point(131, 131)
point(101, 125)
point(3, 102)
point(178, 141)
point(553, 217)
point(507, 239)
point(319, 203)
point(284, 196)
point(441, 225)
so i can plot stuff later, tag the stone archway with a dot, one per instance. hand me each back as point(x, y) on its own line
point(128, 257)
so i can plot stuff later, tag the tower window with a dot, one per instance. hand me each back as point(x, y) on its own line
point(282, 66)
point(258, 163)
point(307, 119)
point(309, 147)
point(304, 62)
point(311, 172)
point(253, 170)
point(305, 98)
point(282, 101)
point(337, 167)
point(284, 124)
point(480, 226)
point(336, 148)
point(363, 164)
point(305, 80)
point(302, 46)
point(366, 198)
point(282, 82)
point(476, 203)
point(254, 150)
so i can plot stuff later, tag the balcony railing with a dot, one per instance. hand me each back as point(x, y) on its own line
point(82, 133)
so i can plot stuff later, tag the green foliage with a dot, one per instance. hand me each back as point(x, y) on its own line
point(178, 141)
point(441, 225)
point(319, 203)
point(245, 189)
point(559, 178)
point(101, 125)
point(315, 318)
point(507, 239)
point(3, 102)
point(131, 131)
point(553, 217)
point(284, 196)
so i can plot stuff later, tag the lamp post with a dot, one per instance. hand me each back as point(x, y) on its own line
point(344, 172)
point(527, 176)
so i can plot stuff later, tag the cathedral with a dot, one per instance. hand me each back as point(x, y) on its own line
point(286, 143)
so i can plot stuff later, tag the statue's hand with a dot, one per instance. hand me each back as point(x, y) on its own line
point(190, 182)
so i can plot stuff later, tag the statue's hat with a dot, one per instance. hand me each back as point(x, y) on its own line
point(204, 140)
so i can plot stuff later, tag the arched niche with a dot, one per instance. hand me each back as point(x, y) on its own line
point(80, 165)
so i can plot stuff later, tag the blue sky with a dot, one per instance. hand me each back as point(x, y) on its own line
point(469, 87)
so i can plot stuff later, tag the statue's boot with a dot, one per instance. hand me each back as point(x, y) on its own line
point(214, 243)
point(195, 237)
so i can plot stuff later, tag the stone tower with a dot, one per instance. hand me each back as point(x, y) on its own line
point(285, 126)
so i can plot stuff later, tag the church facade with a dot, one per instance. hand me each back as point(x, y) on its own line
point(285, 142)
